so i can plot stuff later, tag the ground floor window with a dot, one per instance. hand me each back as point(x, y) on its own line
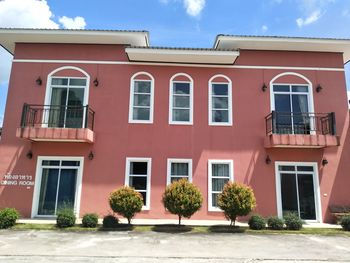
point(138, 175)
point(178, 169)
point(220, 172)
point(58, 184)
point(297, 190)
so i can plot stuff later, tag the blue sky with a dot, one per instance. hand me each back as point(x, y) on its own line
point(185, 23)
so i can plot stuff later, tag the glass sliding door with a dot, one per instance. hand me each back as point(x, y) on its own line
point(291, 104)
point(66, 108)
point(297, 190)
point(58, 186)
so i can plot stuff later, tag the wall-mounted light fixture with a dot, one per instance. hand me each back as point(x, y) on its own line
point(318, 88)
point(267, 160)
point(91, 155)
point(29, 154)
point(324, 161)
point(264, 87)
point(96, 82)
point(39, 81)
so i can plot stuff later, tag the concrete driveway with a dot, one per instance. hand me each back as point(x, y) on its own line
point(52, 246)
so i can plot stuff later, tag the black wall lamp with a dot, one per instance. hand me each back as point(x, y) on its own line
point(29, 154)
point(91, 155)
point(324, 161)
point(318, 88)
point(264, 87)
point(39, 81)
point(96, 82)
point(267, 160)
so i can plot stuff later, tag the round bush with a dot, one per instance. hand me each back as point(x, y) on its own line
point(236, 200)
point(8, 217)
point(65, 218)
point(110, 221)
point(90, 220)
point(182, 198)
point(126, 202)
point(293, 222)
point(275, 223)
point(345, 222)
point(257, 222)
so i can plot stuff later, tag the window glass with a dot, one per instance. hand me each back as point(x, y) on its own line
point(220, 175)
point(138, 168)
point(300, 89)
point(181, 102)
point(286, 168)
point(59, 81)
point(141, 97)
point(281, 88)
point(220, 103)
point(138, 178)
point(77, 82)
point(50, 163)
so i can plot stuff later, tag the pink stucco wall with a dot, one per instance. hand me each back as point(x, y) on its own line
point(116, 139)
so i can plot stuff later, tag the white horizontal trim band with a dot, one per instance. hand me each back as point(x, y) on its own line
point(170, 64)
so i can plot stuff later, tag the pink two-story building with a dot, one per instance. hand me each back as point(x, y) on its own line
point(91, 110)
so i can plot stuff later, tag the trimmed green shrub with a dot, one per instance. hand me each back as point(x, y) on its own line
point(257, 222)
point(182, 198)
point(110, 221)
point(8, 217)
point(345, 222)
point(292, 221)
point(236, 200)
point(275, 223)
point(90, 220)
point(65, 218)
point(126, 202)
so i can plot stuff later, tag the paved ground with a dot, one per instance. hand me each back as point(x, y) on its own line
point(152, 247)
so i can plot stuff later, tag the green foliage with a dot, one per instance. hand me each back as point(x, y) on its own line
point(65, 218)
point(126, 202)
point(293, 222)
point(8, 217)
point(236, 200)
point(275, 223)
point(90, 220)
point(257, 222)
point(345, 222)
point(110, 221)
point(182, 198)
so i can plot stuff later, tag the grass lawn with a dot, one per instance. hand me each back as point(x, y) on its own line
point(184, 229)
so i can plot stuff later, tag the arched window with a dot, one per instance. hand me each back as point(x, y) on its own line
point(220, 101)
point(292, 103)
point(181, 99)
point(141, 98)
point(66, 98)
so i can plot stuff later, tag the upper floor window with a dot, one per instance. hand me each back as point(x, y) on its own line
point(181, 99)
point(220, 100)
point(141, 98)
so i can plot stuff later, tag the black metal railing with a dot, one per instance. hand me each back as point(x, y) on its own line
point(57, 116)
point(300, 123)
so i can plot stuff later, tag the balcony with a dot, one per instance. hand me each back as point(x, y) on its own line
point(57, 123)
point(300, 130)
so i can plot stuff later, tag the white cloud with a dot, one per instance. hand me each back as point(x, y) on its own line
point(72, 23)
point(194, 7)
point(29, 14)
point(26, 13)
point(312, 18)
point(264, 28)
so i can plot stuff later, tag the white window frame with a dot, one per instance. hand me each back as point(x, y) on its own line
point(38, 178)
point(176, 160)
point(149, 169)
point(131, 102)
point(210, 173)
point(171, 94)
point(48, 93)
point(317, 191)
point(210, 113)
